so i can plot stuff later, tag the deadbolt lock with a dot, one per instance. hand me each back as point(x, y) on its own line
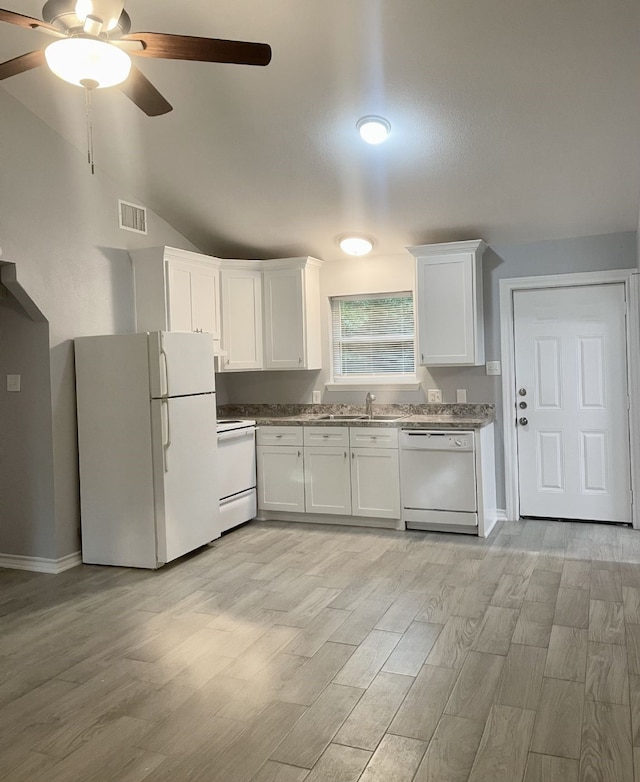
point(523, 405)
point(522, 391)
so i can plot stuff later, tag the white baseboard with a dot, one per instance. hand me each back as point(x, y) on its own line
point(40, 564)
point(501, 515)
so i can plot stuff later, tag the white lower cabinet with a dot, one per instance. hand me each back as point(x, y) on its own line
point(280, 478)
point(350, 472)
point(375, 482)
point(327, 481)
point(280, 467)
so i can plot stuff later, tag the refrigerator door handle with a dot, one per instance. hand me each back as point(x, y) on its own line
point(167, 443)
point(163, 359)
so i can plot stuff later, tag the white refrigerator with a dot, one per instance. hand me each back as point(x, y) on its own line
point(147, 446)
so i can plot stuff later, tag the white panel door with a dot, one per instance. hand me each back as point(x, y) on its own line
point(205, 300)
point(242, 319)
point(280, 478)
point(571, 397)
point(184, 447)
point(284, 321)
point(327, 480)
point(375, 483)
point(179, 296)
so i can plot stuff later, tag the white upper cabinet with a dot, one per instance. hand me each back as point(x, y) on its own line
point(176, 290)
point(449, 303)
point(291, 294)
point(241, 317)
point(271, 314)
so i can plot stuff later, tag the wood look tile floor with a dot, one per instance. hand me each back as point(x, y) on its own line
point(284, 653)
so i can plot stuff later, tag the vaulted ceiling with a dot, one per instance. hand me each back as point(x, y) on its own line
point(512, 120)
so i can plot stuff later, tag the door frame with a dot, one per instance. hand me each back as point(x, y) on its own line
point(630, 278)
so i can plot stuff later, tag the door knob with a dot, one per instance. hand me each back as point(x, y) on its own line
point(523, 421)
point(522, 391)
point(523, 405)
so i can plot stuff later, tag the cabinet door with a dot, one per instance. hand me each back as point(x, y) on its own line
point(179, 296)
point(327, 480)
point(447, 311)
point(205, 300)
point(280, 478)
point(241, 319)
point(375, 483)
point(284, 319)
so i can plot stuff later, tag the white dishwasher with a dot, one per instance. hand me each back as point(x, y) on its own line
point(438, 480)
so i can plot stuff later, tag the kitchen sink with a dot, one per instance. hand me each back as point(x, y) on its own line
point(353, 417)
point(343, 417)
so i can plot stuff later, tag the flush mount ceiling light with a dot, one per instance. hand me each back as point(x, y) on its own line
point(372, 129)
point(356, 245)
point(88, 62)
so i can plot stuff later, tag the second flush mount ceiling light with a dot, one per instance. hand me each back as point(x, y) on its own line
point(373, 129)
point(356, 244)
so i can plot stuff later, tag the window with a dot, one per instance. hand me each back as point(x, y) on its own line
point(373, 337)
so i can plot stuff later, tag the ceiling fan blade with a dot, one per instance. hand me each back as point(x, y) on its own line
point(189, 47)
point(25, 21)
point(146, 97)
point(21, 64)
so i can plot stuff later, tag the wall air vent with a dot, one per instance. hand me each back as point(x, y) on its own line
point(132, 217)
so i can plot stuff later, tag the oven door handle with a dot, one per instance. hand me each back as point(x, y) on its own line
point(236, 434)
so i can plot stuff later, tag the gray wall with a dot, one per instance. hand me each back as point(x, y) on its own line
point(26, 452)
point(59, 225)
point(361, 275)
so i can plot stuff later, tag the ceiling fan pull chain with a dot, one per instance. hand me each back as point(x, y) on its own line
point(90, 158)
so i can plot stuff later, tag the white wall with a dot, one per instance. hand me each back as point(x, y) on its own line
point(59, 225)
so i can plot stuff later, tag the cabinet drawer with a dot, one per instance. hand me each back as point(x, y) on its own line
point(279, 435)
point(327, 435)
point(373, 437)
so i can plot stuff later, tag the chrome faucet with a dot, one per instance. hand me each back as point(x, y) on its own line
point(368, 404)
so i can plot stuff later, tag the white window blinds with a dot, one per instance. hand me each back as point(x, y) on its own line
point(373, 336)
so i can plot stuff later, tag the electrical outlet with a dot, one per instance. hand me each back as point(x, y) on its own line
point(13, 382)
point(461, 394)
point(494, 368)
point(434, 396)
point(316, 397)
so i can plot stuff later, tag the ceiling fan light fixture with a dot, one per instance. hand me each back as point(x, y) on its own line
point(373, 129)
point(356, 244)
point(81, 60)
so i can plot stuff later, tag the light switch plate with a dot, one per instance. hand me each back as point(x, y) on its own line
point(461, 394)
point(13, 382)
point(494, 368)
point(434, 395)
point(316, 397)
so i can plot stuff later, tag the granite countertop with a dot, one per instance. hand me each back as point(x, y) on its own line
point(441, 416)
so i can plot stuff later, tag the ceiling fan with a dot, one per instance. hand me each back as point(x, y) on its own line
point(94, 44)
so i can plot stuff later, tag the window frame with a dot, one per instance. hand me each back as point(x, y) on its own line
point(407, 382)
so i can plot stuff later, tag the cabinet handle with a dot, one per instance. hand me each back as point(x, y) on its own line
point(422, 357)
point(353, 456)
point(299, 361)
point(345, 454)
point(299, 454)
